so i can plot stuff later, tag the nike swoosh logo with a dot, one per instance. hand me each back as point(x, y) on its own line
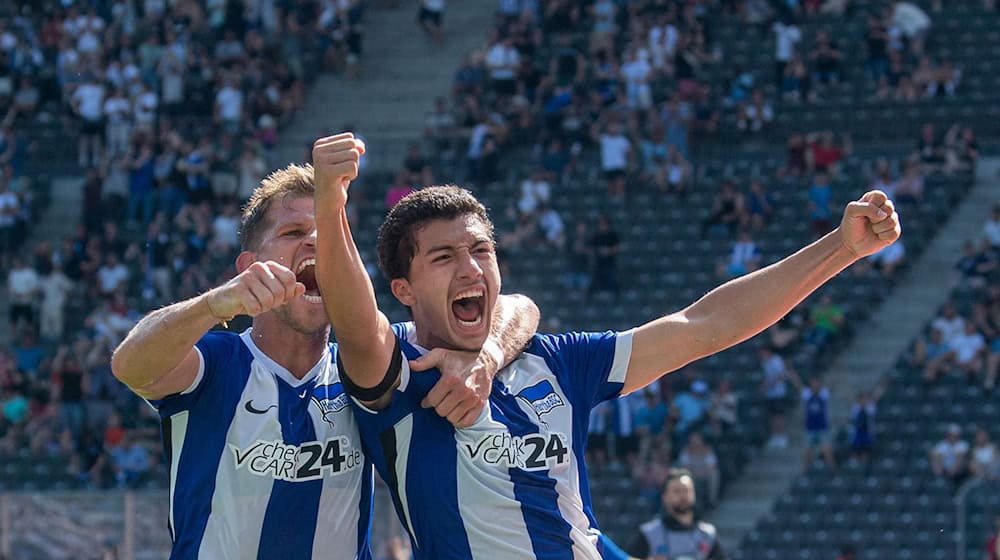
point(252, 410)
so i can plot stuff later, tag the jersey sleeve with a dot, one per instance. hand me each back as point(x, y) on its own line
point(215, 350)
point(590, 366)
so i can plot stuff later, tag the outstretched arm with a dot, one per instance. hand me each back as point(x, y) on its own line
point(741, 308)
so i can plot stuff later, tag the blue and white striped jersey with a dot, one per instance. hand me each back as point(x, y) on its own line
point(513, 485)
point(264, 465)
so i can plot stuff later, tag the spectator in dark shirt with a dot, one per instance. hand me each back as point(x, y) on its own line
point(605, 245)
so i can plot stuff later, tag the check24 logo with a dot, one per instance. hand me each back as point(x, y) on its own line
point(534, 452)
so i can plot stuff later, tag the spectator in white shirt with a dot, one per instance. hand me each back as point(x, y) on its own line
point(756, 115)
point(111, 275)
point(88, 104)
point(229, 107)
point(535, 191)
point(502, 61)
point(23, 285)
point(985, 460)
point(616, 149)
point(949, 457)
point(429, 18)
point(551, 225)
point(744, 258)
point(637, 72)
point(786, 36)
point(145, 105)
point(949, 322)
point(55, 288)
point(118, 115)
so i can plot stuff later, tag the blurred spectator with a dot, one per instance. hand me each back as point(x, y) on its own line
point(651, 416)
point(777, 375)
point(821, 205)
point(985, 460)
point(650, 472)
point(502, 61)
point(949, 458)
point(605, 244)
point(429, 18)
point(55, 289)
point(744, 258)
point(913, 22)
point(88, 105)
point(759, 205)
point(112, 275)
point(623, 427)
point(755, 115)
point(23, 286)
point(862, 430)
point(441, 128)
point(797, 84)
point(966, 352)
point(976, 264)
point(877, 47)
point(826, 59)
point(930, 150)
point(786, 36)
point(728, 209)
point(887, 259)
point(130, 460)
point(910, 187)
point(824, 154)
point(949, 322)
point(678, 531)
point(882, 179)
point(816, 406)
point(551, 226)
point(417, 166)
point(535, 191)
point(826, 319)
point(724, 409)
point(10, 210)
point(961, 149)
point(689, 408)
point(699, 458)
point(616, 151)
point(69, 380)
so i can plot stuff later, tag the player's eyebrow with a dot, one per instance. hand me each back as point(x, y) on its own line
point(479, 241)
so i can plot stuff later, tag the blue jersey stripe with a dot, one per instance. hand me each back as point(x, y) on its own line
point(365, 507)
point(212, 411)
point(293, 506)
point(430, 486)
point(548, 531)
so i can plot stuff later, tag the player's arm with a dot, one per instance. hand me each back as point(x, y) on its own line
point(743, 307)
point(158, 358)
point(467, 377)
point(366, 343)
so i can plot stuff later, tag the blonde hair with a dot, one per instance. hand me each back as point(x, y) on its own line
point(292, 181)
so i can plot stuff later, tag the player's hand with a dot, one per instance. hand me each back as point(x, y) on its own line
point(262, 287)
point(869, 224)
point(464, 387)
point(335, 162)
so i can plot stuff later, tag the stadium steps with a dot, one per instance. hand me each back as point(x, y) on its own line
point(402, 71)
point(875, 348)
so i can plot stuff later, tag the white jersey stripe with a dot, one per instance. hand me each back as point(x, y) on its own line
point(404, 433)
point(178, 430)
point(623, 351)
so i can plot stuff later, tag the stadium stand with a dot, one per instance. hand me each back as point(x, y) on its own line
point(574, 72)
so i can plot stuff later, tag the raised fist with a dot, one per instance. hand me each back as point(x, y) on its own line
point(262, 287)
point(335, 161)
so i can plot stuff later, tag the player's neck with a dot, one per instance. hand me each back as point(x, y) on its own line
point(292, 350)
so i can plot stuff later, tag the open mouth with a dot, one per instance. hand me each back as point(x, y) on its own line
point(468, 306)
point(306, 274)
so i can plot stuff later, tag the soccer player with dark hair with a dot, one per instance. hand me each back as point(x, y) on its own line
point(514, 484)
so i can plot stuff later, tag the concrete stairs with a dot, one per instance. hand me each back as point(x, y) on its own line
point(872, 351)
point(402, 71)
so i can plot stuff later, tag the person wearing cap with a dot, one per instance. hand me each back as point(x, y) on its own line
point(678, 533)
point(949, 458)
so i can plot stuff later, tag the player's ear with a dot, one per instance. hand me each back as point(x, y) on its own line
point(244, 260)
point(401, 289)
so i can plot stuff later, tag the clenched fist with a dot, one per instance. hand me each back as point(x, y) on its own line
point(869, 224)
point(335, 161)
point(262, 287)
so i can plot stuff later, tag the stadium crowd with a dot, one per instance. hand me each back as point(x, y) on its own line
point(140, 84)
point(161, 205)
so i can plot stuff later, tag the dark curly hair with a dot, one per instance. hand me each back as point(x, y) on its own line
point(397, 237)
